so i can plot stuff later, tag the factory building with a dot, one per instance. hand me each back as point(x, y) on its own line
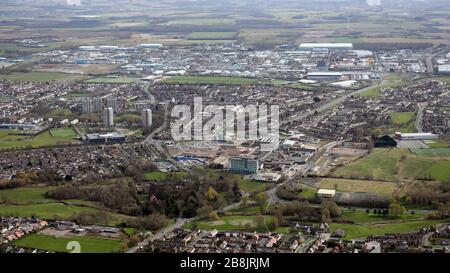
point(141, 46)
point(105, 138)
point(444, 69)
point(146, 118)
point(324, 76)
point(326, 46)
point(108, 117)
point(415, 136)
point(244, 165)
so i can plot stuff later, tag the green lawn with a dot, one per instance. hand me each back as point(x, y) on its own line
point(396, 164)
point(363, 231)
point(63, 133)
point(432, 152)
point(43, 139)
point(346, 185)
point(212, 35)
point(50, 243)
point(362, 217)
point(208, 80)
point(378, 165)
point(242, 223)
point(400, 118)
point(252, 186)
point(307, 193)
point(118, 80)
point(160, 176)
point(41, 76)
point(44, 211)
point(25, 194)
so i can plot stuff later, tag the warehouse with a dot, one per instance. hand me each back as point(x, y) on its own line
point(105, 138)
point(329, 46)
point(444, 69)
point(324, 76)
point(415, 136)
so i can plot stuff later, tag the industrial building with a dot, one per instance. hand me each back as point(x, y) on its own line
point(105, 138)
point(108, 117)
point(415, 136)
point(324, 193)
point(324, 76)
point(146, 118)
point(328, 46)
point(244, 165)
point(444, 69)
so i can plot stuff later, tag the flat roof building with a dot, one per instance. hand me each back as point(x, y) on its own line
point(324, 76)
point(244, 165)
point(415, 136)
point(444, 69)
point(105, 138)
point(329, 46)
point(324, 193)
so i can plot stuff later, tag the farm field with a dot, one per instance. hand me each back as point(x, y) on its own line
point(368, 186)
point(50, 243)
point(41, 77)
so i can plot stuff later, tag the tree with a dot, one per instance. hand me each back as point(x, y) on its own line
point(261, 200)
point(211, 194)
point(396, 210)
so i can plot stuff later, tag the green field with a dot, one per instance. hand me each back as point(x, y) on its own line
point(44, 211)
point(307, 193)
point(25, 194)
point(63, 133)
point(208, 80)
point(362, 217)
point(212, 35)
point(118, 80)
point(400, 118)
point(252, 186)
point(394, 165)
point(432, 152)
point(41, 77)
point(345, 185)
point(44, 139)
point(242, 223)
point(50, 243)
point(160, 176)
point(363, 231)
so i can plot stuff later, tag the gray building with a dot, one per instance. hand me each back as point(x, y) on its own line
point(112, 103)
point(244, 165)
point(146, 118)
point(108, 117)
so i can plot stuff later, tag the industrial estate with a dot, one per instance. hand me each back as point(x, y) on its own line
point(90, 161)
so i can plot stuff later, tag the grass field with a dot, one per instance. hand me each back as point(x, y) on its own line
point(252, 186)
point(118, 80)
point(25, 194)
point(212, 35)
point(432, 152)
point(43, 139)
point(63, 133)
point(50, 243)
point(362, 217)
point(307, 193)
point(41, 77)
point(394, 165)
point(242, 223)
point(160, 176)
point(362, 231)
point(44, 211)
point(208, 80)
point(400, 118)
point(368, 186)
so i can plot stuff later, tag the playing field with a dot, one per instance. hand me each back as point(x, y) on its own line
point(11, 141)
point(63, 133)
point(400, 118)
point(252, 186)
point(208, 80)
point(243, 223)
point(432, 152)
point(50, 243)
point(361, 217)
point(363, 231)
point(44, 211)
point(368, 186)
point(212, 35)
point(394, 165)
point(25, 194)
point(118, 80)
point(41, 76)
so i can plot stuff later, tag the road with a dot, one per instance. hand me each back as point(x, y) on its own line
point(419, 118)
point(332, 103)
